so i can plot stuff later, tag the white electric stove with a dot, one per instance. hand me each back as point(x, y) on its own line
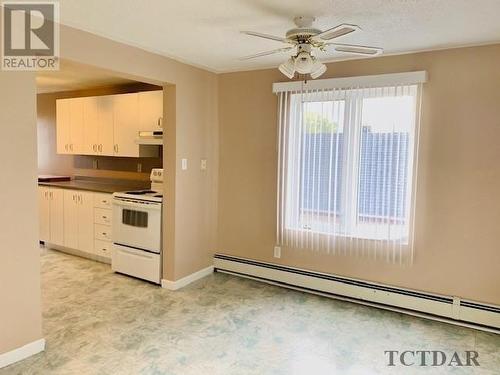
point(137, 231)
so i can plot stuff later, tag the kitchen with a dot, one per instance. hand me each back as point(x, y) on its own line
point(100, 168)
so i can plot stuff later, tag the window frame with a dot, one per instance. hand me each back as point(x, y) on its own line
point(351, 168)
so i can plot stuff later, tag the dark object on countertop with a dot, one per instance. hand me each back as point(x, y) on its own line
point(52, 178)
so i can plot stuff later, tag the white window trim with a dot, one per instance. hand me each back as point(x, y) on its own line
point(380, 80)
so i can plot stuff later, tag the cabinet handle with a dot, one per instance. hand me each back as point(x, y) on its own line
point(160, 122)
point(104, 217)
point(94, 148)
point(51, 195)
point(116, 147)
point(100, 148)
point(105, 201)
point(66, 147)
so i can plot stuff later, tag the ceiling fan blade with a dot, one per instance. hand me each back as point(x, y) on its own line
point(266, 36)
point(266, 53)
point(360, 50)
point(337, 31)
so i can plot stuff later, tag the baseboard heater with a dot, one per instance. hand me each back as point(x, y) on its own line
point(433, 306)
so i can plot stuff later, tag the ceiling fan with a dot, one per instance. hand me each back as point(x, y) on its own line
point(304, 38)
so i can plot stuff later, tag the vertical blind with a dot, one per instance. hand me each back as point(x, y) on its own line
point(347, 165)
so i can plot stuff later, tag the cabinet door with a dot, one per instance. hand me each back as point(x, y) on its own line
point(56, 216)
point(126, 125)
point(44, 214)
point(63, 126)
point(86, 222)
point(76, 125)
point(90, 126)
point(151, 110)
point(106, 138)
point(71, 218)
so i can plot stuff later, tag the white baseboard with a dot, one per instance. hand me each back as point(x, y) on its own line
point(181, 283)
point(21, 353)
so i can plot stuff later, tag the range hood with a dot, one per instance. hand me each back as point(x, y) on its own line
point(154, 138)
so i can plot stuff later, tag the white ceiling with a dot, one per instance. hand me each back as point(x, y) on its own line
point(206, 32)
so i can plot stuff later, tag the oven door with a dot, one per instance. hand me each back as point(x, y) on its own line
point(137, 224)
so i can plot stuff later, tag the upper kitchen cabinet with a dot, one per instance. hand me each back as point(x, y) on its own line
point(108, 125)
point(91, 128)
point(126, 125)
point(98, 119)
point(151, 110)
point(69, 114)
point(105, 145)
point(63, 126)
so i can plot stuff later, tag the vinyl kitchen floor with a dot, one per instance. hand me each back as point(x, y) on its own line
point(97, 322)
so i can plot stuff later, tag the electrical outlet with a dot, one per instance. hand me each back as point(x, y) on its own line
point(277, 252)
point(139, 167)
point(95, 164)
point(203, 164)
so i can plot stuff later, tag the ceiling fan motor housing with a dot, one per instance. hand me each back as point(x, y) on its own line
point(302, 34)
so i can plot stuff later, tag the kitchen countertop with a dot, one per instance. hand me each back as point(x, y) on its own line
point(100, 185)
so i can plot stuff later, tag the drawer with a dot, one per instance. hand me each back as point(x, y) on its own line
point(136, 263)
point(102, 216)
point(102, 200)
point(103, 232)
point(103, 248)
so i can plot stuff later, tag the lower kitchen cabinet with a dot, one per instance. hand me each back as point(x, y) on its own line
point(79, 220)
point(86, 222)
point(51, 223)
point(75, 219)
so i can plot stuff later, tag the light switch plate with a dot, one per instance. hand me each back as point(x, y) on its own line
point(184, 164)
point(277, 252)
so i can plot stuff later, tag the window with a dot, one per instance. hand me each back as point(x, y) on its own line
point(346, 173)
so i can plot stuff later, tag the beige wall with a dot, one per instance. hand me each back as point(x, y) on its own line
point(192, 219)
point(458, 204)
point(49, 162)
point(20, 309)
point(191, 132)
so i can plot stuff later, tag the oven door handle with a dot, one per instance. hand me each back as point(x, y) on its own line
point(145, 206)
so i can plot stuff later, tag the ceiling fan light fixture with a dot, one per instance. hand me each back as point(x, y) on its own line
point(304, 62)
point(318, 69)
point(288, 68)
